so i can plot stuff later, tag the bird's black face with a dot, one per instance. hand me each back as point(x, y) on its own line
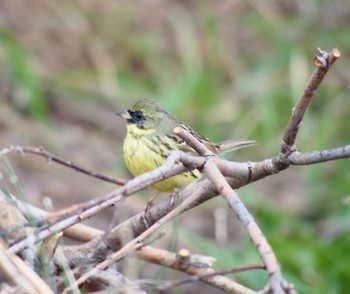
point(137, 117)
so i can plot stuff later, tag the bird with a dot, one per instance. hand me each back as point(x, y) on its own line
point(150, 139)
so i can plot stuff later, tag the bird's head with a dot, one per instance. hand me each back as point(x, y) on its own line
point(148, 116)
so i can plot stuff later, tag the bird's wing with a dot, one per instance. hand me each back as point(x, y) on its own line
point(205, 141)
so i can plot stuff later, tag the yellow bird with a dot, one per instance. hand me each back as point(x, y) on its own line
point(150, 139)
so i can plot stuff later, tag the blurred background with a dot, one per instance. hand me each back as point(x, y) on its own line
point(230, 69)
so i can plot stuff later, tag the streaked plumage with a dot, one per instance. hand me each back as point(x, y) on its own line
point(150, 138)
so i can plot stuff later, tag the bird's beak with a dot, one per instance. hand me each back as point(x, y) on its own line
point(124, 113)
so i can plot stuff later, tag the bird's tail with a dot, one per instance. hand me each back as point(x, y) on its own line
point(230, 145)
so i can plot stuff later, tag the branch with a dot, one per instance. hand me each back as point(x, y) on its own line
point(323, 61)
point(298, 158)
point(256, 235)
point(212, 274)
point(134, 243)
point(53, 158)
point(193, 265)
point(170, 168)
point(240, 175)
point(249, 224)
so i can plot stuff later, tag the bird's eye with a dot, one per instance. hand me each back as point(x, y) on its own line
point(138, 116)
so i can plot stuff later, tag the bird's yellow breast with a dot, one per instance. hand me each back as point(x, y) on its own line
point(143, 153)
point(139, 157)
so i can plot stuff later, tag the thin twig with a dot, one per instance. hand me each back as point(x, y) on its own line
point(169, 285)
point(323, 61)
point(53, 158)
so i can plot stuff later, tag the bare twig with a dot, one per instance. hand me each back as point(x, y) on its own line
point(248, 222)
point(53, 158)
point(169, 285)
point(323, 61)
point(305, 158)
